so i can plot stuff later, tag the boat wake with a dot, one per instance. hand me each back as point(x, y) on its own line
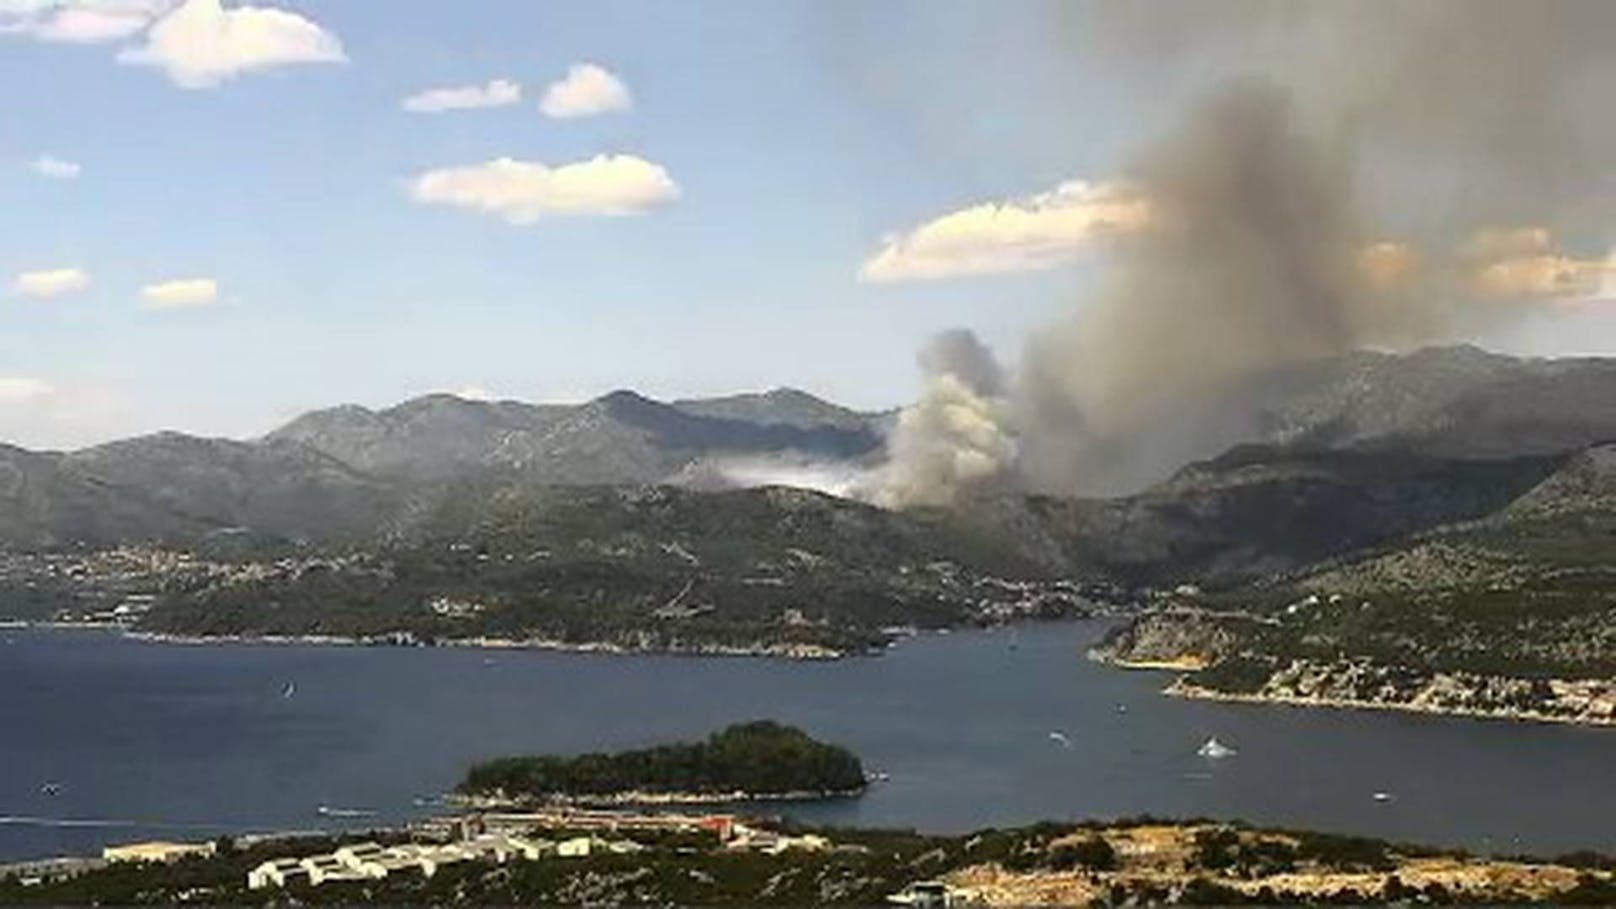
point(21, 820)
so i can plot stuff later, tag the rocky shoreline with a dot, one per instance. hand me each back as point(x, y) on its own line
point(1575, 702)
point(1213, 662)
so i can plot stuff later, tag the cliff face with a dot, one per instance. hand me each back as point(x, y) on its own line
point(1184, 639)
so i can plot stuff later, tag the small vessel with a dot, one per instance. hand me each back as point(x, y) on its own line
point(51, 788)
point(1214, 749)
point(289, 690)
point(1382, 796)
point(1060, 738)
point(328, 811)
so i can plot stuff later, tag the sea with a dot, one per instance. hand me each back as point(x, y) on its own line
point(104, 739)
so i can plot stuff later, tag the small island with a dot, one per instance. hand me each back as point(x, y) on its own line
point(756, 761)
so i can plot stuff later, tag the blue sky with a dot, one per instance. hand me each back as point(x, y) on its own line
point(798, 136)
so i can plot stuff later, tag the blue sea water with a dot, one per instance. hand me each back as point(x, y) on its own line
point(146, 740)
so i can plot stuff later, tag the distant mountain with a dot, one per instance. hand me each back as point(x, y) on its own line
point(621, 437)
point(277, 487)
point(1460, 402)
point(1257, 510)
point(779, 407)
point(1343, 454)
point(349, 472)
point(47, 500)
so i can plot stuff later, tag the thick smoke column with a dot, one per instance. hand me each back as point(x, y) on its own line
point(1251, 262)
point(1361, 176)
point(956, 436)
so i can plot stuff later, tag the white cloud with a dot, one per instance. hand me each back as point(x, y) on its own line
point(522, 192)
point(1037, 232)
point(22, 389)
point(51, 166)
point(51, 282)
point(186, 293)
point(587, 90)
point(80, 21)
point(497, 93)
point(202, 43)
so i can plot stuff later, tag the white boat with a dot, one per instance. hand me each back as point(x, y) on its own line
point(1214, 749)
point(1382, 796)
point(289, 690)
point(328, 811)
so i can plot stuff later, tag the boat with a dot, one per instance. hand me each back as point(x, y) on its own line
point(328, 811)
point(1060, 737)
point(289, 690)
point(51, 788)
point(1214, 749)
point(1382, 796)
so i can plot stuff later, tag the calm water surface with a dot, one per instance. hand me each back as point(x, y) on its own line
point(150, 740)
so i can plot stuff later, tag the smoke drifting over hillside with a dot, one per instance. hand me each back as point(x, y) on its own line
point(1361, 175)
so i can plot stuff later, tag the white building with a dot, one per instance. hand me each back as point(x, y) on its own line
point(277, 873)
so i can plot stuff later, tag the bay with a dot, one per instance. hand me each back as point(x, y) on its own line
point(140, 740)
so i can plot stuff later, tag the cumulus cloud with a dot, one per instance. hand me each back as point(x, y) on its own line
point(1036, 232)
point(522, 192)
point(53, 282)
point(185, 293)
point(56, 168)
point(23, 389)
point(80, 21)
point(497, 93)
point(202, 43)
point(587, 90)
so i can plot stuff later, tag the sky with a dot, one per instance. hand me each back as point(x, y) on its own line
point(215, 216)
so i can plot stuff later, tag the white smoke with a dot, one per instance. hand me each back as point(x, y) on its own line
point(956, 436)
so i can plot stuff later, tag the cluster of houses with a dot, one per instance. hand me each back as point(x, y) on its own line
point(372, 861)
point(478, 837)
point(501, 838)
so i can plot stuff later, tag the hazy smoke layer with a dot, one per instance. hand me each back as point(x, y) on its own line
point(1363, 175)
point(837, 478)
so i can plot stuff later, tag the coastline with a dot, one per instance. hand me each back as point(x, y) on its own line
point(642, 798)
point(1177, 664)
point(1183, 688)
point(789, 651)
